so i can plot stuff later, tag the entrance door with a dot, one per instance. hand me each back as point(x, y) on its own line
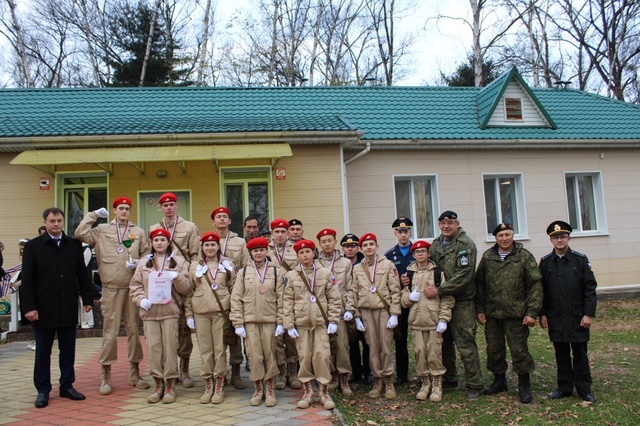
point(150, 210)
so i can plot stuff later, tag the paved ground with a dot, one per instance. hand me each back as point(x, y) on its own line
point(128, 405)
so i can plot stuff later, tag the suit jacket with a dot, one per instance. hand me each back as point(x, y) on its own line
point(52, 279)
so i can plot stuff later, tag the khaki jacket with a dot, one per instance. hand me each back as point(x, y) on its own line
point(249, 304)
point(298, 309)
point(341, 271)
point(139, 289)
point(290, 257)
point(386, 282)
point(425, 314)
point(202, 300)
point(186, 237)
point(235, 250)
point(104, 239)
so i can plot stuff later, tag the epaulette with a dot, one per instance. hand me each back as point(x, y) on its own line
point(546, 256)
point(390, 251)
point(577, 253)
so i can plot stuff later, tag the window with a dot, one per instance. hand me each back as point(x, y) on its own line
point(415, 200)
point(513, 108)
point(82, 193)
point(504, 202)
point(247, 192)
point(585, 202)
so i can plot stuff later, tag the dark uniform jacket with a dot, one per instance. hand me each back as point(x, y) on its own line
point(401, 262)
point(569, 288)
point(52, 279)
point(458, 262)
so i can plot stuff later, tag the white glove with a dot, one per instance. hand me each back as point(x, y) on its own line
point(332, 328)
point(442, 327)
point(102, 212)
point(279, 330)
point(200, 270)
point(191, 323)
point(132, 265)
point(240, 331)
point(359, 325)
point(293, 333)
point(145, 304)
point(348, 316)
point(393, 321)
point(172, 275)
point(414, 296)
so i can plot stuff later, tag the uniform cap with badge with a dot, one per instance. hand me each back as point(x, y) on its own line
point(420, 244)
point(402, 224)
point(159, 232)
point(279, 223)
point(220, 210)
point(256, 243)
point(210, 236)
point(369, 236)
point(448, 215)
point(349, 239)
point(559, 227)
point(167, 197)
point(502, 227)
point(293, 222)
point(304, 244)
point(122, 200)
point(325, 232)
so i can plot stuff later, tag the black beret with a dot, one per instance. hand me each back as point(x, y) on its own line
point(559, 227)
point(448, 214)
point(402, 223)
point(349, 239)
point(502, 227)
point(294, 222)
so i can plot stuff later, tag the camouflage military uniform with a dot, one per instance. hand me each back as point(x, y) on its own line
point(458, 261)
point(507, 291)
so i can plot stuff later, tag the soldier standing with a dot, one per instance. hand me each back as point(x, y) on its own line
point(508, 300)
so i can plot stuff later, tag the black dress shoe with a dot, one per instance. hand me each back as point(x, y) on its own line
point(400, 381)
point(73, 394)
point(449, 384)
point(42, 400)
point(354, 379)
point(560, 394)
point(589, 398)
point(369, 379)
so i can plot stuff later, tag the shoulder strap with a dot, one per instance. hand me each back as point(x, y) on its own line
point(382, 299)
point(215, 293)
point(304, 280)
point(437, 276)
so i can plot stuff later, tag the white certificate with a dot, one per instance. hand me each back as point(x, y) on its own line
point(159, 288)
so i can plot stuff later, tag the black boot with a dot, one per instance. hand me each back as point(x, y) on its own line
point(524, 388)
point(499, 385)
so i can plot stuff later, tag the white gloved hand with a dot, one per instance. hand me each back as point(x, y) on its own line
point(414, 296)
point(279, 330)
point(132, 265)
point(442, 327)
point(332, 329)
point(172, 275)
point(191, 323)
point(102, 212)
point(200, 270)
point(145, 304)
point(240, 331)
point(359, 324)
point(393, 321)
point(348, 316)
point(293, 333)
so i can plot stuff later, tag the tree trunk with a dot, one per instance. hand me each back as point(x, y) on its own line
point(20, 50)
point(147, 53)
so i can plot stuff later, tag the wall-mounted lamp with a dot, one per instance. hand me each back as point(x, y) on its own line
point(162, 173)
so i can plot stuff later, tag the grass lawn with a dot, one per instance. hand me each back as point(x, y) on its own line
point(614, 353)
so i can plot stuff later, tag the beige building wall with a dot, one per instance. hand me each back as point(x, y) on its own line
point(615, 256)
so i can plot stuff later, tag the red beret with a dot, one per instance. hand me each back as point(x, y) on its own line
point(366, 237)
point(159, 232)
point(326, 231)
point(304, 244)
point(121, 200)
point(220, 210)
point(210, 236)
point(420, 244)
point(279, 223)
point(167, 197)
point(257, 242)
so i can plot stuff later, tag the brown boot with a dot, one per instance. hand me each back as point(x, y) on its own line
point(292, 372)
point(344, 384)
point(390, 392)
point(169, 391)
point(270, 396)
point(105, 384)
point(256, 398)
point(184, 373)
point(325, 398)
point(436, 392)
point(307, 397)
point(218, 390)
point(334, 383)
point(424, 390)
point(208, 391)
point(158, 390)
point(236, 380)
point(281, 378)
point(377, 388)
point(134, 377)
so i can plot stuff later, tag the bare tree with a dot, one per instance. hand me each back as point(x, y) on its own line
point(204, 44)
point(16, 37)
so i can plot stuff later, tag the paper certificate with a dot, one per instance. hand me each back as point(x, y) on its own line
point(159, 287)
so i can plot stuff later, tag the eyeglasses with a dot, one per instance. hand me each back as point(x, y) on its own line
point(447, 222)
point(560, 237)
point(423, 251)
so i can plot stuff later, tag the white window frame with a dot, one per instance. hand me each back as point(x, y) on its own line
point(435, 202)
point(598, 199)
point(61, 188)
point(521, 211)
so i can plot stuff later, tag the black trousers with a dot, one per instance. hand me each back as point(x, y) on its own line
point(66, 359)
point(402, 351)
point(359, 362)
point(574, 372)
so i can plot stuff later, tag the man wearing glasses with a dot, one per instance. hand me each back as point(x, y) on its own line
point(455, 253)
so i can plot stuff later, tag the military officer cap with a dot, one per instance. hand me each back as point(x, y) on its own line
point(448, 215)
point(293, 222)
point(304, 244)
point(402, 224)
point(266, 232)
point(349, 239)
point(558, 227)
point(502, 227)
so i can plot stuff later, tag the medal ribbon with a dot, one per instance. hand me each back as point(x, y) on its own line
point(313, 281)
point(224, 247)
point(372, 277)
point(280, 258)
point(262, 276)
point(333, 261)
point(121, 237)
point(175, 225)
point(215, 274)
point(164, 259)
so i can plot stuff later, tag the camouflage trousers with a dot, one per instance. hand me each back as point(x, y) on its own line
point(516, 334)
point(462, 334)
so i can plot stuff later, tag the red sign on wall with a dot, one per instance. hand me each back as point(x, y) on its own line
point(45, 184)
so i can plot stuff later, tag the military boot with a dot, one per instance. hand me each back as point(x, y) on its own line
point(390, 390)
point(292, 372)
point(270, 394)
point(208, 391)
point(335, 381)
point(105, 384)
point(236, 380)
point(377, 388)
point(344, 384)
point(134, 377)
point(436, 391)
point(218, 390)
point(307, 397)
point(158, 390)
point(524, 388)
point(423, 393)
point(256, 398)
point(499, 385)
point(281, 378)
point(169, 391)
point(184, 373)
point(325, 398)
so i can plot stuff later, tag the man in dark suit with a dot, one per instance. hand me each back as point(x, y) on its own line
point(53, 275)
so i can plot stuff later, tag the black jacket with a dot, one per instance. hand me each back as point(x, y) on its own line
point(52, 279)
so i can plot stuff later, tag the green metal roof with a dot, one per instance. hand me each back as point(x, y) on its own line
point(381, 113)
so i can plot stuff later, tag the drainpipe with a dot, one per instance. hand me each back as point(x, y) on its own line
point(345, 198)
point(360, 154)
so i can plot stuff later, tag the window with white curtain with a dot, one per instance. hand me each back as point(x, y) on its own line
point(415, 199)
point(504, 202)
point(585, 202)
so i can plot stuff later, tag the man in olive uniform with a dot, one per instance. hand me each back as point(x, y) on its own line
point(455, 253)
point(569, 307)
point(508, 300)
